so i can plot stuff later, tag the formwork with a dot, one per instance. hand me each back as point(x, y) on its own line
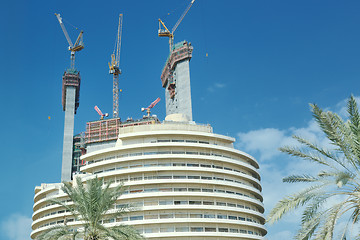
point(71, 78)
point(181, 51)
point(108, 129)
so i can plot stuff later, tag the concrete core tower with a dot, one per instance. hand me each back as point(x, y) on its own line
point(175, 79)
point(70, 102)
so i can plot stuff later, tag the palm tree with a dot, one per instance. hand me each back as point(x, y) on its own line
point(91, 201)
point(334, 192)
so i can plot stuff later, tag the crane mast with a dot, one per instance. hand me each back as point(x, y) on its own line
point(115, 70)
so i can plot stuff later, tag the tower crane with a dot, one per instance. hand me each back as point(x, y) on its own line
point(73, 48)
point(164, 32)
point(102, 115)
point(150, 106)
point(115, 70)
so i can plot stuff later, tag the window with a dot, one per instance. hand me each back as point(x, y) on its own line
point(151, 216)
point(178, 164)
point(182, 229)
point(193, 177)
point(197, 229)
point(232, 217)
point(180, 202)
point(165, 202)
point(208, 203)
point(208, 229)
point(179, 189)
point(166, 215)
point(181, 215)
point(206, 165)
point(223, 230)
point(133, 218)
point(194, 202)
point(221, 216)
point(166, 229)
point(220, 204)
point(150, 202)
point(196, 215)
point(192, 165)
point(207, 190)
point(179, 177)
point(209, 215)
point(194, 190)
point(234, 230)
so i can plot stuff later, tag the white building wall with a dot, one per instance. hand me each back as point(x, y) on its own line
point(185, 181)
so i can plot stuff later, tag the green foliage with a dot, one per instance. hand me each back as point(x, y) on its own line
point(91, 201)
point(334, 191)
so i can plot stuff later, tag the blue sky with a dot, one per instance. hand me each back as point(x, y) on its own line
point(256, 65)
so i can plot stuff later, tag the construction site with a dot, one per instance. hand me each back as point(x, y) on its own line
point(143, 154)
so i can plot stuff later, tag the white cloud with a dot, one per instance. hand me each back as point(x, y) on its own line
point(274, 166)
point(216, 86)
point(16, 227)
point(264, 141)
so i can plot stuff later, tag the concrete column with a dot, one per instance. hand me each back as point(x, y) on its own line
point(181, 103)
point(68, 134)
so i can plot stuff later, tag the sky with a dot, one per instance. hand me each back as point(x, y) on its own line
point(256, 66)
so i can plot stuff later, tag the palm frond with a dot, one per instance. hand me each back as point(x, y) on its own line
point(300, 178)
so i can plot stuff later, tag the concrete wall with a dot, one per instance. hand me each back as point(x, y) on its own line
point(68, 134)
point(181, 103)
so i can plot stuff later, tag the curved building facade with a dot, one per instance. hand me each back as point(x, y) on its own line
point(184, 181)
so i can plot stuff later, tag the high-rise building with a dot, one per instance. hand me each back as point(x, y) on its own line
point(186, 181)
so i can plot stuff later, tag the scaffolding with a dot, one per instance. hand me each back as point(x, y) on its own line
point(71, 78)
point(108, 129)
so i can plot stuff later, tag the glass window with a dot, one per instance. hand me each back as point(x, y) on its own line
point(181, 215)
point(206, 165)
point(196, 215)
point(208, 203)
point(178, 164)
point(194, 190)
point(207, 190)
point(221, 216)
point(220, 203)
point(150, 202)
point(209, 215)
point(166, 215)
point(180, 202)
point(179, 177)
point(166, 229)
point(133, 218)
point(165, 202)
point(209, 229)
point(151, 216)
point(206, 178)
point(234, 230)
point(232, 217)
point(223, 230)
point(194, 202)
point(182, 229)
point(197, 229)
